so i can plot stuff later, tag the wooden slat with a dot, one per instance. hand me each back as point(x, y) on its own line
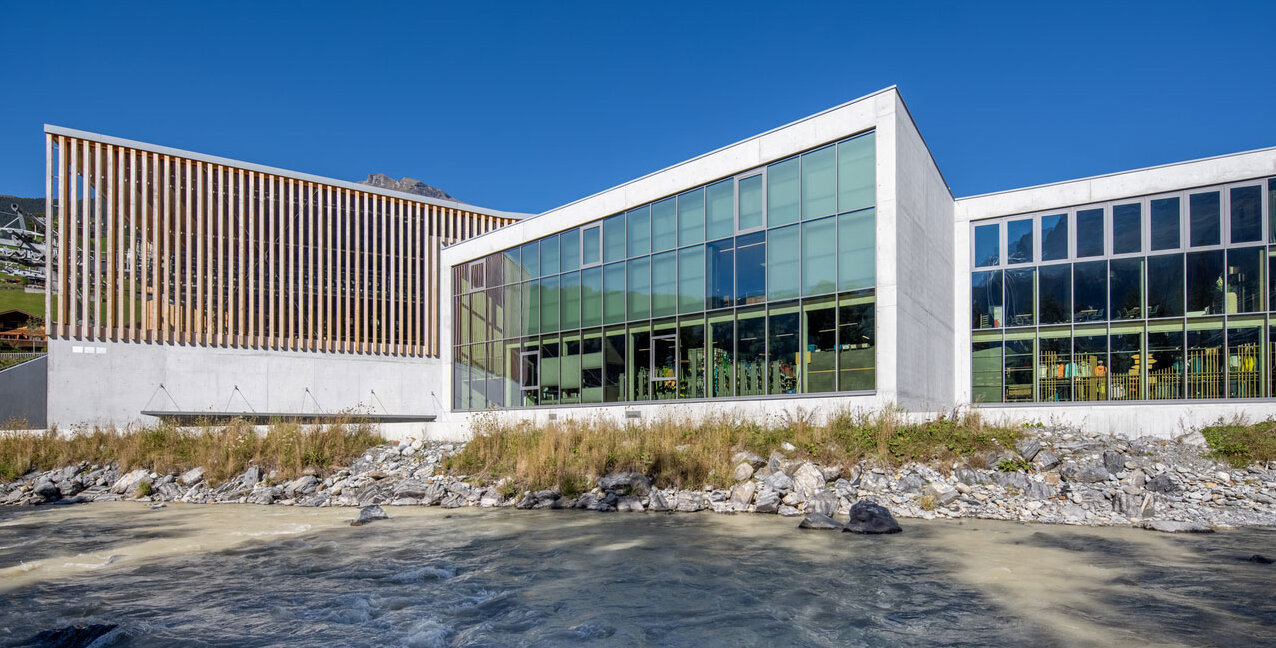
point(108, 324)
point(135, 264)
point(51, 225)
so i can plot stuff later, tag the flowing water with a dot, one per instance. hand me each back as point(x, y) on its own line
point(235, 575)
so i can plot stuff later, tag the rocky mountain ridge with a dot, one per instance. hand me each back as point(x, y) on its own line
point(406, 185)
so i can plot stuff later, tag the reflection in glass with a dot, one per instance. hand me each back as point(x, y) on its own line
point(985, 367)
point(1021, 288)
point(615, 378)
point(819, 183)
point(1204, 218)
point(664, 284)
point(1054, 294)
point(1166, 221)
point(721, 259)
point(750, 264)
point(614, 238)
point(569, 368)
point(856, 250)
point(819, 358)
point(638, 356)
point(548, 380)
point(819, 261)
point(664, 225)
point(1090, 291)
point(1205, 283)
point(856, 173)
point(750, 202)
point(1205, 360)
point(1054, 237)
point(720, 210)
point(1125, 278)
point(1127, 228)
point(988, 246)
point(531, 259)
point(1165, 286)
point(856, 328)
point(549, 304)
point(721, 372)
point(691, 217)
point(1018, 367)
point(664, 361)
point(782, 193)
point(783, 345)
point(591, 296)
point(591, 246)
point(784, 252)
point(1247, 214)
point(1090, 232)
point(614, 296)
point(751, 352)
point(549, 255)
point(691, 280)
point(1019, 241)
point(591, 367)
point(1245, 280)
point(569, 250)
point(638, 231)
point(569, 301)
point(691, 360)
point(985, 299)
point(639, 287)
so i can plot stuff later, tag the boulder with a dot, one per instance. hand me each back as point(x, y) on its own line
point(742, 495)
point(626, 483)
point(823, 502)
point(819, 521)
point(778, 482)
point(808, 480)
point(1175, 526)
point(368, 514)
point(872, 518)
point(1045, 460)
point(742, 472)
point(942, 493)
point(1088, 474)
point(1163, 483)
point(250, 477)
point(789, 511)
point(657, 501)
point(689, 502)
point(263, 496)
point(1133, 506)
point(1040, 490)
point(130, 481)
point(910, 483)
point(831, 473)
point(192, 476)
point(490, 498)
point(629, 504)
point(1113, 461)
point(768, 502)
point(411, 488)
point(306, 484)
point(1028, 448)
point(47, 490)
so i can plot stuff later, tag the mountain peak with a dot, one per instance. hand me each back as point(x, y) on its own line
point(406, 185)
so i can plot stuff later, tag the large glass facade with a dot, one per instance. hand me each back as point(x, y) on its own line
point(1160, 298)
point(754, 285)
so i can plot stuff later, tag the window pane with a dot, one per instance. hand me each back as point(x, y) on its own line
point(549, 255)
point(1021, 289)
point(664, 225)
point(1054, 378)
point(782, 193)
point(549, 304)
point(1165, 286)
point(638, 360)
point(856, 250)
point(1019, 241)
point(534, 306)
point(722, 354)
point(1205, 283)
point(819, 183)
point(614, 293)
point(639, 285)
point(461, 378)
point(614, 238)
point(819, 263)
point(569, 250)
point(1271, 206)
point(615, 375)
point(985, 368)
point(856, 359)
point(1126, 277)
point(592, 245)
point(532, 259)
point(591, 367)
point(783, 272)
point(1090, 291)
point(664, 360)
point(1125, 380)
point(514, 265)
point(1247, 214)
point(1166, 220)
point(750, 265)
point(549, 364)
point(691, 358)
point(750, 365)
point(1127, 228)
point(783, 346)
point(856, 173)
point(638, 221)
point(569, 366)
point(985, 299)
point(691, 217)
point(591, 296)
point(1245, 359)
point(1204, 217)
point(569, 300)
point(720, 206)
point(1245, 280)
point(750, 202)
point(664, 284)
point(819, 346)
point(1165, 360)
point(691, 288)
point(1090, 232)
point(721, 273)
point(1054, 237)
point(988, 246)
point(1090, 355)
point(1205, 360)
point(1017, 375)
point(1054, 294)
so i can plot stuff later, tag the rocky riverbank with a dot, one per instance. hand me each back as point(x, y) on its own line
point(1055, 476)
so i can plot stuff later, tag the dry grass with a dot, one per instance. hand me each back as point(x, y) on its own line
point(223, 450)
point(571, 455)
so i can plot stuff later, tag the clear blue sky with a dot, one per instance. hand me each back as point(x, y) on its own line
point(525, 106)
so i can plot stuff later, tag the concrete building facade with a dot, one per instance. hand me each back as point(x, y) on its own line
point(824, 264)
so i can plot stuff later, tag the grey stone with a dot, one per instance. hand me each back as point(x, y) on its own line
point(628, 504)
point(742, 472)
point(778, 482)
point(872, 518)
point(910, 483)
point(657, 501)
point(844, 488)
point(1045, 460)
point(1175, 526)
point(47, 490)
point(306, 484)
point(1134, 506)
point(753, 460)
point(129, 482)
point(1113, 461)
point(192, 476)
point(1163, 483)
point(626, 483)
point(1088, 474)
point(410, 488)
point(874, 481)
point(452, 500)
point(808, 480)
point(942, 493)
point(263, 496)
point(1016, 480)
point(789, 511)
point(967, 476)
point(831, 473)
point(491, 498)
point(819, 521)
point(768, 502)
point(742, 495)
point(823, 502)
point(1028, 448)
point(792, 498)
point(688, 502)
point(368, 514)
point(250, 477)
point(1040, 490)
point(1086, 495)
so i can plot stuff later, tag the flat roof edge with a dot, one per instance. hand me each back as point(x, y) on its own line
point(1168, 165)
point(261, 168)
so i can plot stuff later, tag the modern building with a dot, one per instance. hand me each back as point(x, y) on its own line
point(824, 264)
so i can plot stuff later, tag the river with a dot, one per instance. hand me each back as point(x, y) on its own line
point(239, 575)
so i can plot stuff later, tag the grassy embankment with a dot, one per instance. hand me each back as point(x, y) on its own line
point(1240, 443)
point(222, 450)
point(571, 455)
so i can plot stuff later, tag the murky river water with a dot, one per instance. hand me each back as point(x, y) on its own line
point(247, 575)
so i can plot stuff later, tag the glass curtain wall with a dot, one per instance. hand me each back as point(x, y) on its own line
point(1164, 297)
point(754, 285)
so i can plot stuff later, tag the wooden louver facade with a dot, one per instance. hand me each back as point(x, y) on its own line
point(157, 247)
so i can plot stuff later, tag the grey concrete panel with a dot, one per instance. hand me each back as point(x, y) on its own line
point(24, 390)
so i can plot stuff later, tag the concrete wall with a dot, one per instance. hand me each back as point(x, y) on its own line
point(111, 383)
point(24, 392)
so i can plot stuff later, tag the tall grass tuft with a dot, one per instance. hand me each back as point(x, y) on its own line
point(571, 455)
point(222, 450)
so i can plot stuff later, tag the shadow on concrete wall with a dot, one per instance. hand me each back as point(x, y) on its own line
point(24, 392)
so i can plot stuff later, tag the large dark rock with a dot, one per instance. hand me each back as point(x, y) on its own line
point(819, 521)
point(870, 517)
point(1163, 483)
point(47, 490)
point(368, 514)
point(1113, 461)
point(626, 483)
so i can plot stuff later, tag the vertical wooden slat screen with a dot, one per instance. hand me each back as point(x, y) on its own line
point(150, 247)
